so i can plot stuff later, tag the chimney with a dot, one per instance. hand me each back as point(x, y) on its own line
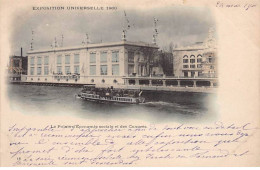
point(21, 51)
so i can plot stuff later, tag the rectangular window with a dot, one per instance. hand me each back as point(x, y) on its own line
point(32, 70)
point(185, 66)
point(199, 60)
point(130, 69)
point(92, 57)
point(192, 66)
point(185, 60)
point(200, 74)
point(46, 60)
point(192, 60)
point(103, 57)
point(103, 69)
point(210, 60)
point(92, 70)
point(130, 57)
point(32, 61)
point(76, 69)
point(115, 69)
point(76, 58)
point(59, 59)
point(67, 69)
point(39, 70)
point(39, 60)
point(67, 59)
point(199, 66)
point(59, 71)
point(46, 70)
point(115, 56)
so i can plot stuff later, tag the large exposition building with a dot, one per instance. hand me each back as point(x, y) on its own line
point(104, 63)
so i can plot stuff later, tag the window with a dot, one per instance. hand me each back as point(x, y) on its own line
point(67, 69)
point(76, 69)
point(185, 60)
point(76, 58)
point(115, 69)
point(46, 60)
point(92, 70)
point(200, 74)
point(103, 57)
point(210, 60)
point(199, 60)
point(115, 56)
point(199, 66)
point(185, 66)
point(192, 60)
point(39, 60)
point(59, 70)
point(192, 66)
point(92, 57)
point(39, 70)
point(211, 67)
point(130, 57)
point(32, 70)
point(59, 59)
point(46, 70)
point(103, 69)
point(130, 69)
point(67, 59)
point(32, 61)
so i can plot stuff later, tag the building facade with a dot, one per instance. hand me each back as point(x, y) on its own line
point(104, 63)
point(17, 67)
point(198, 60)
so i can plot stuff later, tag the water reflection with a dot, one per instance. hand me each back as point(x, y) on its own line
point(159, 107)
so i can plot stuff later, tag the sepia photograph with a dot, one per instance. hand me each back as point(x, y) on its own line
point(116, 63)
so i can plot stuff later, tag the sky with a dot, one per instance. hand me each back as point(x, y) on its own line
point(179, 25)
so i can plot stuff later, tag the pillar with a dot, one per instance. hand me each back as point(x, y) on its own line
point(164, 82)
point(150, 82)
point(194, 83)
point(179, 83)
point(136, 81)
point(211, 84)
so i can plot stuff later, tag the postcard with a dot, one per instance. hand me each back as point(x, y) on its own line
point(88, 83)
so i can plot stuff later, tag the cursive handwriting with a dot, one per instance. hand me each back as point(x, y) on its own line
point(125, 145)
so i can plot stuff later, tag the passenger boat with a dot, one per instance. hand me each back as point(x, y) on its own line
point(111, 95)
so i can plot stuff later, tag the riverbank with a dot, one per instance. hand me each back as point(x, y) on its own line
point(201, 89)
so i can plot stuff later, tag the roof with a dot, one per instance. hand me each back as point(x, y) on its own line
point(99, 45)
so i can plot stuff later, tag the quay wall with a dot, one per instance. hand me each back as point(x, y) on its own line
point(121, 86)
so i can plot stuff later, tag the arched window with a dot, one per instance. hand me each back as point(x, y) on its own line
point(192, 59)
point(199, 58)
point(185, 59)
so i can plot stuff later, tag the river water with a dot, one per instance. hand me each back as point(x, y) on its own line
point(159, 107)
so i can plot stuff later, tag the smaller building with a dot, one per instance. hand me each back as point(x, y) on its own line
point(197, 60)
point(17, 67)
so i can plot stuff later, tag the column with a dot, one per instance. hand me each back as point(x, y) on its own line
point(136, 81)
point(179, 83)
point(164, 82)
point(211, 84)
point(194, 83)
